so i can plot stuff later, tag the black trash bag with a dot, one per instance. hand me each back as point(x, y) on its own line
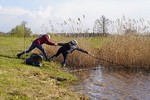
point(35, 60)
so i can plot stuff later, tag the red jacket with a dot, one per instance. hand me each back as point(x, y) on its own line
point(43, 39)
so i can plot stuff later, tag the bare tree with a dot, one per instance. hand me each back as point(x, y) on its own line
point(100, 25)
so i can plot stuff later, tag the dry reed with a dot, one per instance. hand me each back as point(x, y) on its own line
point(132, 51)
point(130, 48)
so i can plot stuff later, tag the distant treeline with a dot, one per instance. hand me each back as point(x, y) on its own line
point(2, 33)
point(59, 34)
point(81, 34)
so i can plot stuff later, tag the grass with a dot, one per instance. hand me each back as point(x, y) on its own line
point(23, 82)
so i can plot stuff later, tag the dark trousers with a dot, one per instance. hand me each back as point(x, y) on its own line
point(61, 51)
point(33, 45)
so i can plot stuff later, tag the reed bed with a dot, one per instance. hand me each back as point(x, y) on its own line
point(130, 51)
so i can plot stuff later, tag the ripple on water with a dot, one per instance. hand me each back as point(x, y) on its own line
point(115, 85)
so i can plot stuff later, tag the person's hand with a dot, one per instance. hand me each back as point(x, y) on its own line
point(86, 52)
point(56, 44)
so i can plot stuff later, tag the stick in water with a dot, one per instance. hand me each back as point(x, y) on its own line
point(107, 60)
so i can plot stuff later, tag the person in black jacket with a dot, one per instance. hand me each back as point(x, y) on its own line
point(65, 49)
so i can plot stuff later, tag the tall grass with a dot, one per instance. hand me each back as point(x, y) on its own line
point(101, 25)
point(132, 51)
point(128, 51)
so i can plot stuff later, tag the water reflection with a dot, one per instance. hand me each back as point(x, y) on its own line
point(114, 85)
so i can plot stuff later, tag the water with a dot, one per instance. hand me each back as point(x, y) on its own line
point(114, 85)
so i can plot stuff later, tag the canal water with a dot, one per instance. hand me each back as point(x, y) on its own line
point(100, 84)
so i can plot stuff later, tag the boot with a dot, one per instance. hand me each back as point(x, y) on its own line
point(63, 64)
point(19, 55)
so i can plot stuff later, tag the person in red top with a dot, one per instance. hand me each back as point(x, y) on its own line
point(37, 43)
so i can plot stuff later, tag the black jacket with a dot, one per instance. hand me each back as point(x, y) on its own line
point(70, 47)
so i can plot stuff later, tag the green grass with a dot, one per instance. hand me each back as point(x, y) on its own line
point(19, 81)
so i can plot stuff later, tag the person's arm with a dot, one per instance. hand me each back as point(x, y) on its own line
point(49, 42)
point(61, 44)
point(79, 49)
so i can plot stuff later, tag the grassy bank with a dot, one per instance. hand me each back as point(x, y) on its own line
point(20, 81)
point(23, 82)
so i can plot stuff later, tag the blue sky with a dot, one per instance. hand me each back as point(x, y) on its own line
point(39, 12)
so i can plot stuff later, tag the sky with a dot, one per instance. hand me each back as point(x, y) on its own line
point(38, 13)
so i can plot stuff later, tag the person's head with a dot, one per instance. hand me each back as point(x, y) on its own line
point(48, 36)
point(74, 42)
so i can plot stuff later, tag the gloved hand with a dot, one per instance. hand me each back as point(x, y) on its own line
point(86, 52)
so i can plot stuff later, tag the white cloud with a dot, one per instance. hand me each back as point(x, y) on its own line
point(0, 7)
point(12, 16)
point(42, 12)
point(15, 11)
point(95, 8)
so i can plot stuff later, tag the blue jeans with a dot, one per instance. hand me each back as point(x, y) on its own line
point(33, 45)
